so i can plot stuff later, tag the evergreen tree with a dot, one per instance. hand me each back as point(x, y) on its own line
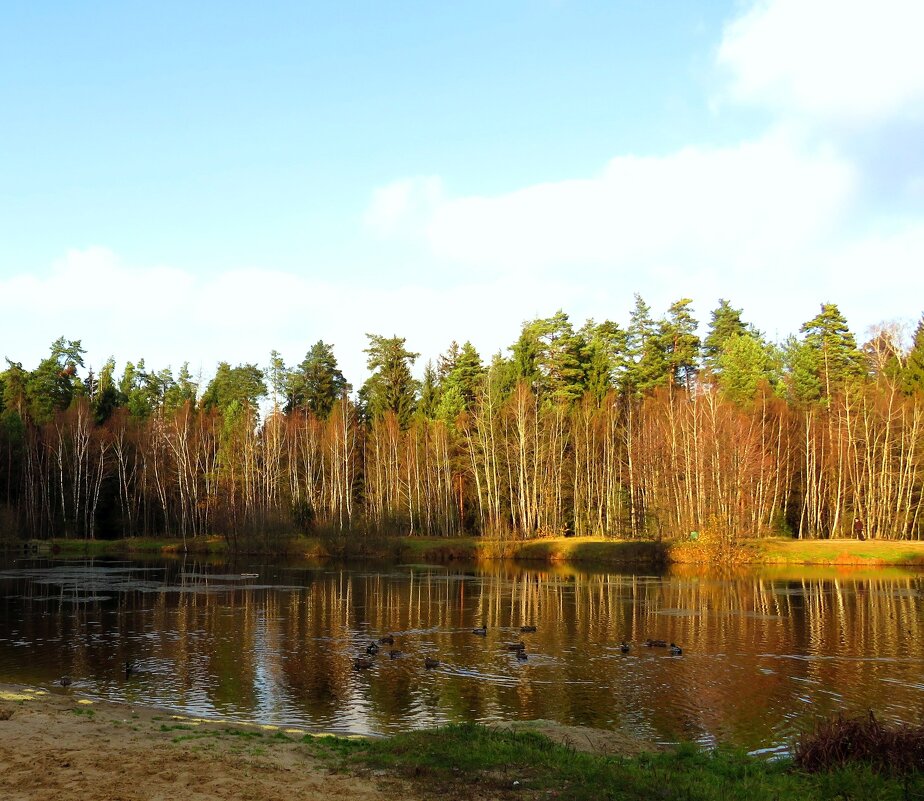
point(551, 357)
point(184, 390)
point(107, 397)
point(53, 384)
point(744, 364)
point(428, 404)
point(242, 385)
point(725, 323)
point(681, 344)
point(913, 372)
point(391, 387)
point(834, 349)
point(606, 356)
point(647, 365)
point(524, 358)
point(317, 383)
point(459, 386)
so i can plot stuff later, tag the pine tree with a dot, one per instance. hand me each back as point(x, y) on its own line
point(913, 373)
point(460, 382)
point(241, 386)
point(647, 363)
point(725, 323)
point(681, 344)
point(744, 364)
point(391, 387)
point(606, 358)
point(317, 383)
point(836, 356)
point(428, 402)
point(53, 384)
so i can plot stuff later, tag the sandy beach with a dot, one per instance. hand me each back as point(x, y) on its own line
point(57, 745)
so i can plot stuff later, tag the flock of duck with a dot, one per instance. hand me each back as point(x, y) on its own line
point(366, 661)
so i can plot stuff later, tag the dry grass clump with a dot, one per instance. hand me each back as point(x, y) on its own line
point(842, 741)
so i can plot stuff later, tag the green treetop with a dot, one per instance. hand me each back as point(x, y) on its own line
point(242, 385)
point(317, 383)
point(913, 373)
point(833, 353)
point(53, 384)
point(681, 344)
point(551, 357)
point(725, 323)
point(391, 387)
point(647, 364)
point(460, 381)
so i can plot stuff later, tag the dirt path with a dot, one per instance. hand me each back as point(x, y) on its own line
point(57, 746)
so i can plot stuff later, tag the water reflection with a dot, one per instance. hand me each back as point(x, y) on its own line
point(763, 652)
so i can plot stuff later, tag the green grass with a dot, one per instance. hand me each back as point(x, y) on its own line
point(838, 552)
point(149, 545)
point(467, 760)
point(591, 551)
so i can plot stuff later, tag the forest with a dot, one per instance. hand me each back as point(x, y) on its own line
point(643, 431)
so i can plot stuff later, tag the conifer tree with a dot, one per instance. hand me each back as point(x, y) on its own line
point(725, 323)
point(391, 387)
point(833, 349)
point(428, 403)
point(681, 344)
point(317, 383)
point(913, 373)
point(647, 361)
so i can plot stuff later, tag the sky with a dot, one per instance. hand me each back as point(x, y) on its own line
point(214, 180)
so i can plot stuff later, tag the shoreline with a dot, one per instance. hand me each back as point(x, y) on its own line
point(59, 744)
point(775, 551)
point(56, 744)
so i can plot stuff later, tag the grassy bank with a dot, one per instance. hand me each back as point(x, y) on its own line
point(606, 552)
point(586, 551)
point(470, 761)
point(128, 545)
point(538, 760)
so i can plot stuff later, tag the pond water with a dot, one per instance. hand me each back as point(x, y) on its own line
point(764, 653)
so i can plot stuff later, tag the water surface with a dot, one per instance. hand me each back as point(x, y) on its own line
point(764, 653)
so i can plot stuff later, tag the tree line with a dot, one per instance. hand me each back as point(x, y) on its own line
point(643, 430)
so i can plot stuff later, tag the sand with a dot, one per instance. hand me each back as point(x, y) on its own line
point(57, 745)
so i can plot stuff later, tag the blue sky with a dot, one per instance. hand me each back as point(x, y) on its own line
point(210, 181)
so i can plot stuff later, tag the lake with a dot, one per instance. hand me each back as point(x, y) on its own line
point(764, 652)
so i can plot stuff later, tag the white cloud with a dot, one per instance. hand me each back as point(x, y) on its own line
point(733, 206)
point(400, 205)
point(168, 316)
point(846, 60)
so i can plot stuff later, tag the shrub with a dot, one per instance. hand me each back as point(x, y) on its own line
point(840, 741)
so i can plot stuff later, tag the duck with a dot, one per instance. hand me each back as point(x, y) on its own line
point(65, 681)
point(394, 653)
point(430, 663)
point(676, 650)
point(387, 640)
point(521, 655)
point(624, 647)
point(656, 643)
point(362, 663)
point(372, 649)
point(482, 632)
point(527, 629)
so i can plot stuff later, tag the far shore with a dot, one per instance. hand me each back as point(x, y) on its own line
point(581, 551)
